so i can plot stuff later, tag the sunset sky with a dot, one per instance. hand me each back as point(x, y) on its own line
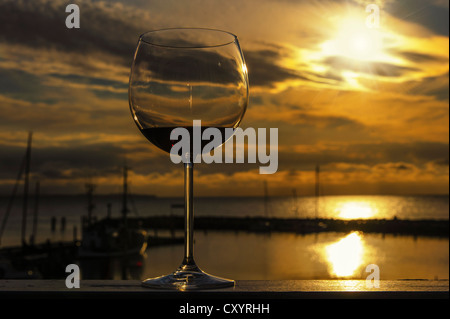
point(369, 105)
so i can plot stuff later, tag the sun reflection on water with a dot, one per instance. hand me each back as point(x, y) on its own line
point(345, 256)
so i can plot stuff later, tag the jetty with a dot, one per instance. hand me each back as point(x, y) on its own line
point(395, 226)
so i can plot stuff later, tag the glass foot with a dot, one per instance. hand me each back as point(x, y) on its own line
point(191, 278)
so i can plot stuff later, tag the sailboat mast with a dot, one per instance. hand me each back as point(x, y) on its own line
point(25, 191)
point(35, 215)
point(90, 190)
point(11, 199)
point(317, 190)
point(125, 192)
point(266, 200)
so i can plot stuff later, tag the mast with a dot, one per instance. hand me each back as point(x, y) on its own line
point(25, 191)
point(125, 194)
point(11, 199)
point(125, 234)
point(294, 196)
point(90, 190)
point(266, 200)
point(35, 215)
point(317, 190)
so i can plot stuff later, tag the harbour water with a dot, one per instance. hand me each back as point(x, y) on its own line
point(242, 255)
point(282, 256)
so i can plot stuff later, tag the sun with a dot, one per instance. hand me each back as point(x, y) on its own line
point(353, 39)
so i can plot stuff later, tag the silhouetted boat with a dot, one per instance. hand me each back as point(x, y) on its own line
point(104, 239)
point(109, 237)
point(9, 271)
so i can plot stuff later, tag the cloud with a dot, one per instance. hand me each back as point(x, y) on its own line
point(434, 87)
point(419, 57)
point(193, 65)
point(264, 71)
point(383, 127)
point(372, 68)
point(105, 28)
point(431, 14)
point(22, 85)
point(304, 157)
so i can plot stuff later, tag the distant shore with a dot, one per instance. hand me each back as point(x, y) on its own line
point(428, 227)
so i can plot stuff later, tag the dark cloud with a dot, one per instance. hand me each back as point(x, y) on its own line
point(436, 86)
point(419, 57)
point(329, 75)
point(403, 167)
point(113, 30)
point(53, 161)
point(403, 156)
point(263, 70)
point(107, 30)
point(22, 85)
point(420, 152)
point(425, 13)
point(442, 162)
point(79, 161)
point(326, 122)
point(42, 24)
point(188, 65)
point(25, 86)
point(89, 80)
point(417, 153)
point(101, 87)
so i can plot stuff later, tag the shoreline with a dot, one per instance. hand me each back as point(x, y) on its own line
point(423, 227)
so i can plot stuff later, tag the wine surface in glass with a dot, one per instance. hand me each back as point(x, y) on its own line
point(160, 137)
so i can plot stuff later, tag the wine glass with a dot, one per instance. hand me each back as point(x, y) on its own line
point(180, 75)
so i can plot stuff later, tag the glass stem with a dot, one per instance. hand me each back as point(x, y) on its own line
point(188, 261)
